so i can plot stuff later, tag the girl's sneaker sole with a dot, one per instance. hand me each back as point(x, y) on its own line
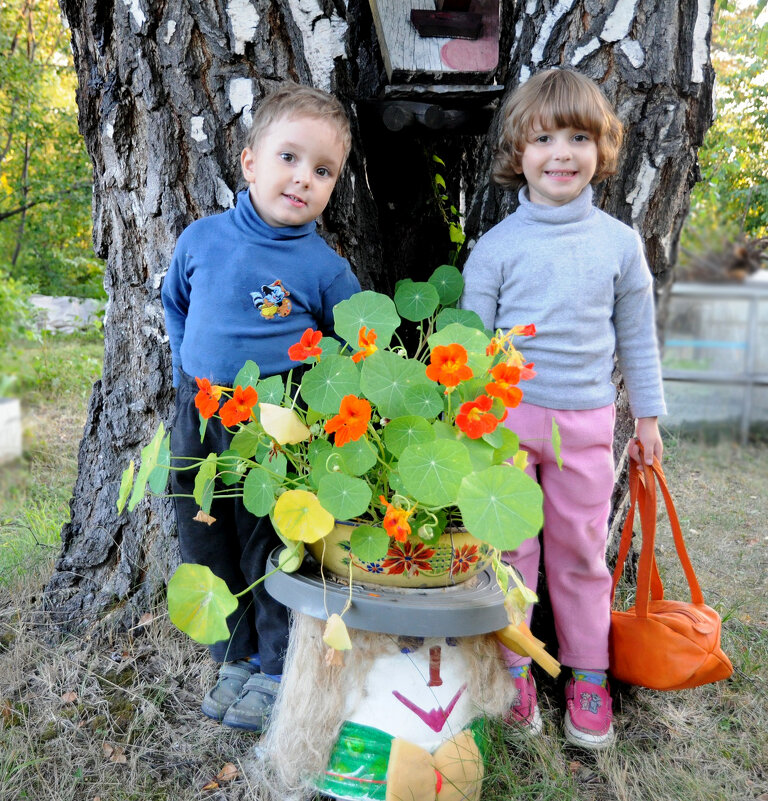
point(586, 740)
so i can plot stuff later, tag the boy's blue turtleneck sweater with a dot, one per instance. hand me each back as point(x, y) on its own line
point(239, 289)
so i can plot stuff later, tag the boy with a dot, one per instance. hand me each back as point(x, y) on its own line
point(243, 285)
point(582, 278)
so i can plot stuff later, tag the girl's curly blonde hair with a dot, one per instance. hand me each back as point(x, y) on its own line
point(556, 98)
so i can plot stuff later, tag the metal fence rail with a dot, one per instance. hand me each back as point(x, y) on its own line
point(704, 330)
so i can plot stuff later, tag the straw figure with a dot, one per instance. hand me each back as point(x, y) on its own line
point(417, 697)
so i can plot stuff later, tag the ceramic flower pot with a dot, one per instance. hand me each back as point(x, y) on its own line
point(454, 558)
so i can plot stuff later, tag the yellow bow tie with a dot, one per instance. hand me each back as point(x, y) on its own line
point(453, 773)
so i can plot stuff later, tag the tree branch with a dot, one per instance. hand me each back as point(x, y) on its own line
point(4, 215)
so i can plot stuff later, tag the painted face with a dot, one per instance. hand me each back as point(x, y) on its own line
point(558, 163)
point(293, 169)
point(416, 690)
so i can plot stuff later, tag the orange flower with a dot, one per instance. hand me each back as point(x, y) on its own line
point(505, 376)
point(238, 408)
point(524, 330)
point(351, 421)
point(306, 346)
point(207, 399)
point(475, 418)
point(365, 341)
point(448, 365)
point(396, 521)
point(527, 372)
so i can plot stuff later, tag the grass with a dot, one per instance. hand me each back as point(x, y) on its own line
point(53, 376)
point(118, 719)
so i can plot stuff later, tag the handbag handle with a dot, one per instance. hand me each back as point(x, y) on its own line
point(642, 493)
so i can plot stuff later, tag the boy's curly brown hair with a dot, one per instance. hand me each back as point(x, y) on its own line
point(556, 98)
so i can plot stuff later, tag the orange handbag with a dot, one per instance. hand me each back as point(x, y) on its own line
point(661, 644)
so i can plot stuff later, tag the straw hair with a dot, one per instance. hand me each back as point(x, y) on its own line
point(293, 100)
point(556, 99)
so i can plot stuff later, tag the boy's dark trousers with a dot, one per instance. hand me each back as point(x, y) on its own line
point(235, 547)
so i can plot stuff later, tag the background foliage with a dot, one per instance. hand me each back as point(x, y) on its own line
point(45, 174)
point(732, 198)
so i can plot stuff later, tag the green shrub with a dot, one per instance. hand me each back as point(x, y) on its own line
point(16, 315)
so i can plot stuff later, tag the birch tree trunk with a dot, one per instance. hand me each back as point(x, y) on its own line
point(165, 97)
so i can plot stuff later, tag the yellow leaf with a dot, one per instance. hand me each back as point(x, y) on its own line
point(298, 515)
point(520, 459)
point(202, 517)
point(336, 635)
point(283, 425)
point(227, 773)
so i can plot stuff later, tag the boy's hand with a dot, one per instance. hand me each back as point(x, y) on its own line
point(647, 433)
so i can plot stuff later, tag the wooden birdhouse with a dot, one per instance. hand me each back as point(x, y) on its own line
point(440, 57)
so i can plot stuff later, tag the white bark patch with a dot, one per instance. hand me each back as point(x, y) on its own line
point(560, 8)
point(196, 125)
point(241, 99)
point(244, 20)
point(516, 38)
point(224, 195)
point(323, 39)
point(138, 15)
point(580, 53)
point(619, 21)
point(170, 29)
point(525, 74)
point(700, 53)
point(530, 7)
point(638, 197)
point(634, 52)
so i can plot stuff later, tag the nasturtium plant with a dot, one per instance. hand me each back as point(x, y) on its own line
point(402, 435)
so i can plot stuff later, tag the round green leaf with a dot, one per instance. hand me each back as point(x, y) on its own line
point(424, 400)
point(416, 300)
point(231, 467)
point(369, 543)
point(386, 378)
point(404, 431)
point(125, 486)
point(369, 309)
point(448, 282)
point(461, 316)
point(325, 385)
point(502, 505)
point(318, 452)
point(199, 603)
point(248, 375)
point(271, 390)
point(357, 456)
point(432, 472)
point(345, 497)
point(259, 492)
point(158, 478)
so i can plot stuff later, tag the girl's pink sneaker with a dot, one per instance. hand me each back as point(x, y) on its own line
point(525, 711)
point(588, 714)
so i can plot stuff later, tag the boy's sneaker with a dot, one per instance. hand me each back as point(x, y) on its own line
point(251, 710)
point(525, 711)
point(588, 714)
point(232, 679)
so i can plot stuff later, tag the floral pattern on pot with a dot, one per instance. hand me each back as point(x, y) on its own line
point(452, 559)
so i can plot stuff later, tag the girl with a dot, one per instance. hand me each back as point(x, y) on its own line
point(581, 277)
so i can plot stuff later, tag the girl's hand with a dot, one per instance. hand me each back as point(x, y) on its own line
point(647, 433)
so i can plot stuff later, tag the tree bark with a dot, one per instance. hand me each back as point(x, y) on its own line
point(165, 91)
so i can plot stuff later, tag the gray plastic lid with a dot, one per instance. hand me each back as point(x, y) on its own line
point(473, 607)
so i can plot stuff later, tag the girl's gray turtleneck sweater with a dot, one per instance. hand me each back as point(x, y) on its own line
point(581, 277)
